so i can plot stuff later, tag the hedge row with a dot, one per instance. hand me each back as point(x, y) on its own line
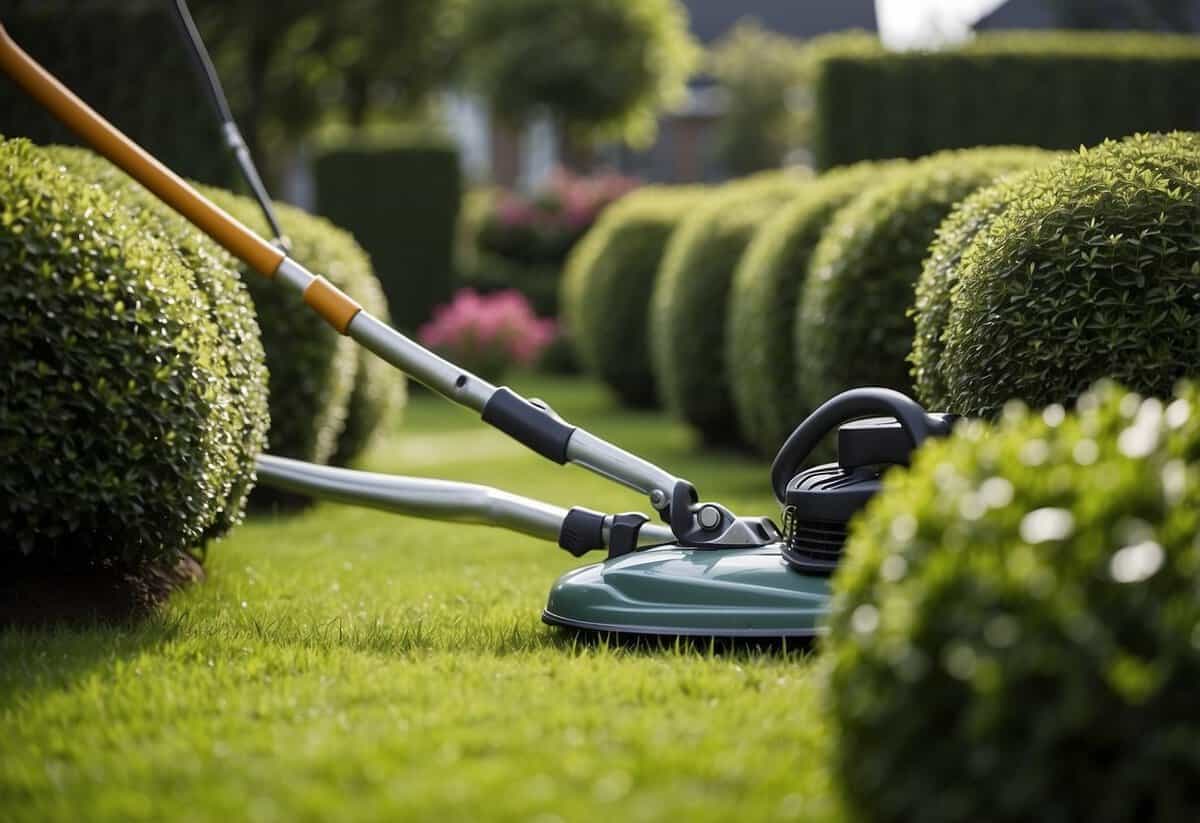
point(130, 403)
point(608, 284)
point(687, 333)
point(853, 326)
point(400, 200)
point(760, 333)
point(1053, 89)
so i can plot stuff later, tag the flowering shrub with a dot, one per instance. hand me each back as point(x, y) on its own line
point(514, 240)
point(542, 227)
point(488, 334)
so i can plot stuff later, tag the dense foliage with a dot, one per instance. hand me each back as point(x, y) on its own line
point(759, 74)
point(760, 333)
point(119, 440)
point(608, 284)
point(1014, 628)
point(509, 239)
point(146, 92)
point(599, 67)
point(1059, 90)
point(311, 366)
point(687, 325)
point(238, 346)
point(853, 327)
point(1092, 271)
point(939, 280)
point(400, 200)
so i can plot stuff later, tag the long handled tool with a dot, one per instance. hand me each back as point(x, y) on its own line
point(710, 572)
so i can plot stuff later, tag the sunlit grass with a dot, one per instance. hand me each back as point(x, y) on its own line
point(351, 663)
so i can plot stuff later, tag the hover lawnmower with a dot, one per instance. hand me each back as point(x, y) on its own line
point(704, 571)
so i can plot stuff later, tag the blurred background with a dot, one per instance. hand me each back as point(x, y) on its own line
point(431, 127)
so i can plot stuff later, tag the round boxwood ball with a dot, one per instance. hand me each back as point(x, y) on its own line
point(607, 284)
point(854, 328)
point(216, 274)
point(1094, 271)
point(762, 305)
point(1014, 632)
point(311, 366)
point(116, 440)
point(939, 279)
point(688, 310)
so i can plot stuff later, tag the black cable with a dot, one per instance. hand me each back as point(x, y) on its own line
point(233, 137)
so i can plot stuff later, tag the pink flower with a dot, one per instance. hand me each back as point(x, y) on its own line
point(487, 333)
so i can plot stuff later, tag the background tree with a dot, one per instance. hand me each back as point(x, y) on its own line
point(760, 74)
point(291, 64)
point(601, 68)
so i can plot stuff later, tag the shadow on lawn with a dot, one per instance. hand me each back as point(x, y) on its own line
point(55, 657)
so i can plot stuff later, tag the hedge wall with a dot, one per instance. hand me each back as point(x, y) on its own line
point(1052, 89)
point(149, 93)
point(400, 201)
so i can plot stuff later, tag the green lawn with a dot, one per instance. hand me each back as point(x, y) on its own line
point(351, 663)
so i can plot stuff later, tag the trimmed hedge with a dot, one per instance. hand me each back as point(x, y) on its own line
point(853, 326)
point(149, 93)
point(401, 202)
point(939, 280)
point(311, 366)
point(380, 389)
point(1014, 627)
point(608, 283)
point(687, 326)
point(762, 309)
point(215, 273)
point(1093, 271)
point(1057, 90)
point(119, 436)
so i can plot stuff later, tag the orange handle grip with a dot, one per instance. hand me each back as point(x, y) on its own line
point(105, 138)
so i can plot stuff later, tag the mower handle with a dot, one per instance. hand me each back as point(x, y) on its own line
point(529, 422)
point(842, 408)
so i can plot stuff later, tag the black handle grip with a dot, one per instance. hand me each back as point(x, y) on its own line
point(847, 406)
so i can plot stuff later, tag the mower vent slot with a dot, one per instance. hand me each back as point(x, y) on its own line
point(812, 546)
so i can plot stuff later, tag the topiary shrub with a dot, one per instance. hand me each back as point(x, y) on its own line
point(380, 389)
point(939, 279)
point(608, 282)
point(1014, 628)
point(853, 327)
point(215, 274)
point(760, 331)
point(1092, 272)
point(311, 366)
point(118, 443)
point(687, 328)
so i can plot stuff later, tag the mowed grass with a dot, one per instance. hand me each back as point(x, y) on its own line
point(347, 663)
